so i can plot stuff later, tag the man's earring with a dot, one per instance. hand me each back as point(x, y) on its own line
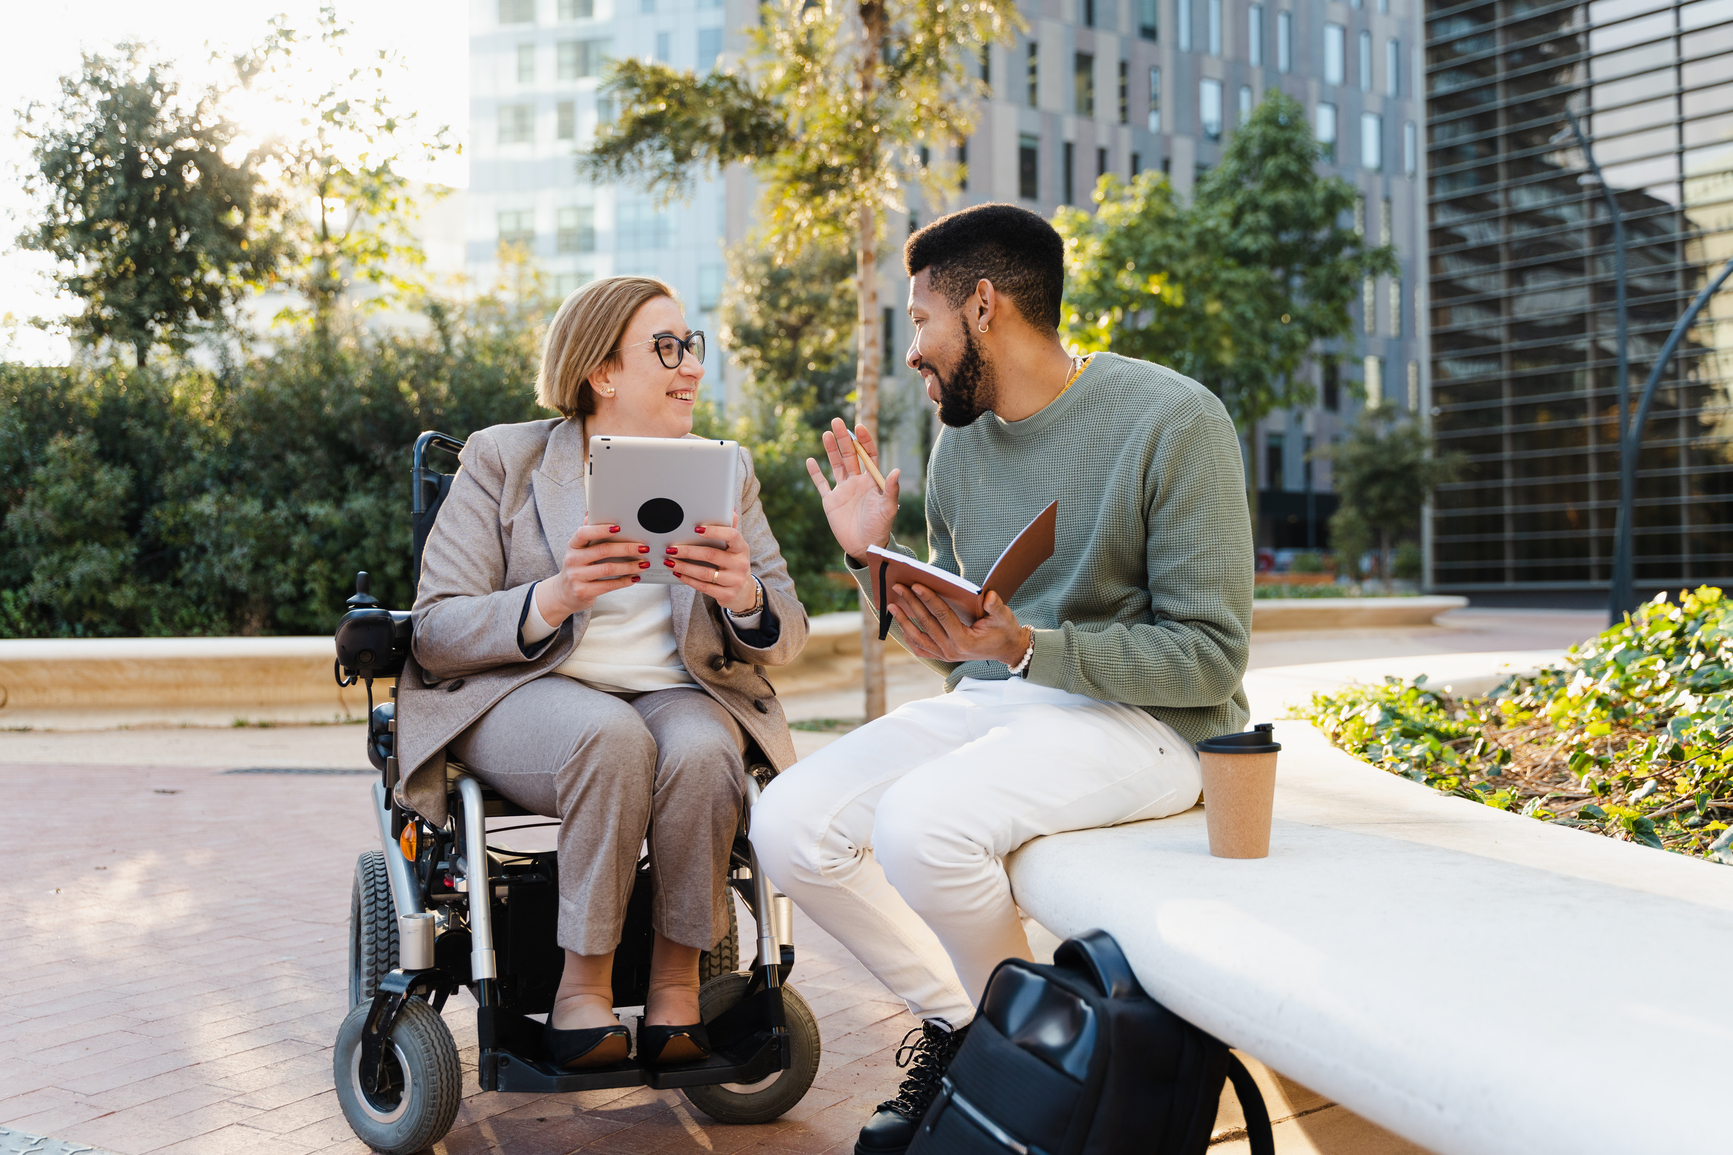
point(983, 326)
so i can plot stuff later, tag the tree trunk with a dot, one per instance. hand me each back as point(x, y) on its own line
point(140, 351)
point(866, 412)
point(866, 371)
point(1384, 561)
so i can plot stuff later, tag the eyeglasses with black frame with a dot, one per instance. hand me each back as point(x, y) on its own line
point(671, 350)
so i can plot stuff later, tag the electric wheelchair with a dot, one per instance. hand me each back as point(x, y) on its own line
point(436, 908)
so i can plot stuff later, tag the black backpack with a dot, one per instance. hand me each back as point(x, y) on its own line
point(1075, 1059)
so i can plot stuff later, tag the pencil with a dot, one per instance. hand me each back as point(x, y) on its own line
point(867, 463)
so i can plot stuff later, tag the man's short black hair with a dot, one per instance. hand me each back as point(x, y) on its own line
point(1015, 249)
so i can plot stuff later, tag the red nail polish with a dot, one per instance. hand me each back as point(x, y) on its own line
point(643, 549)
point(635, 577)
point(671, 549)
point(613, 529)
point(642, 565)
point(668, 563)
point(697, 529)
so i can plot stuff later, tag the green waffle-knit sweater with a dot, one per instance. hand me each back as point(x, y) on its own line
point(1147, 599)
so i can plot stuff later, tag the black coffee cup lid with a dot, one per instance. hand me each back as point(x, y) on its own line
point(1260, 739)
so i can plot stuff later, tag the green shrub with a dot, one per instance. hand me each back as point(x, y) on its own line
point(1410, 563)
point(1310, 561)
point(1632, 737)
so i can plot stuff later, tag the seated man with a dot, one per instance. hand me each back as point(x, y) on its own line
point(1073, 707)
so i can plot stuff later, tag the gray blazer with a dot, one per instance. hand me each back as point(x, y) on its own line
point(513, 506)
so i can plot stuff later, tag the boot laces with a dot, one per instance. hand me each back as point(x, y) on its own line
point(927, 1058)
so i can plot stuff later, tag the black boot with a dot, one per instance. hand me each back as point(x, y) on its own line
point(892, 1127)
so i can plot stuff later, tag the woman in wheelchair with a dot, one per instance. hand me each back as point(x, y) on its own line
point(544, 666)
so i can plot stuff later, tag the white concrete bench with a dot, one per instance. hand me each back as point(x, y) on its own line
point(1475, 981)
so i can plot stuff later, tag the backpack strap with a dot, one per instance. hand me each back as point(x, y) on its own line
point(1096, 954)
point(1258, 1132)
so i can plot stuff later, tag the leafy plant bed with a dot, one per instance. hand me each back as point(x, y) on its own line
point(1331, 590)
point(1631, 738)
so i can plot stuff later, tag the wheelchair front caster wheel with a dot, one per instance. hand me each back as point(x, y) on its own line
point(768, 1098)
point(417, 1100)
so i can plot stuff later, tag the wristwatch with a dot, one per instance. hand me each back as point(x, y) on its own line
point(757, 605)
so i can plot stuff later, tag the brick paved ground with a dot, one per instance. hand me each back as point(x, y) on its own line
point(174, 965)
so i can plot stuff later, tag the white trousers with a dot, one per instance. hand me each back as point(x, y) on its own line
point(893, 838)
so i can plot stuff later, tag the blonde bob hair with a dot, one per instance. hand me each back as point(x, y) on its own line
point(585, 336)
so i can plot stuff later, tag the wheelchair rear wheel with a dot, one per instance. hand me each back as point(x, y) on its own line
point(766, 1099)
point(419, 1096)
point(372, 928)
point(724, 957)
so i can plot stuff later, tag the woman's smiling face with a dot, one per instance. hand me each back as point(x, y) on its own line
point(649, 399)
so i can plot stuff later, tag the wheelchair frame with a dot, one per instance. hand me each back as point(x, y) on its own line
point(447, 938)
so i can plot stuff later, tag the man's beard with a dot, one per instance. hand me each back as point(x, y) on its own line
point(968, 392)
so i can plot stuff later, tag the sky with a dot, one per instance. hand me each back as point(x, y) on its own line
point(43, 42)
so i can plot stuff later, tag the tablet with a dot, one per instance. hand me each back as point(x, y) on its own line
point(657, 488)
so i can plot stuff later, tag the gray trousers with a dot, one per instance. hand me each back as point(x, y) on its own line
point(611, 768)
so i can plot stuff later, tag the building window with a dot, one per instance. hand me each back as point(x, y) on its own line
point(1029, 167)
point(517, 11)
point(566, 120)
point(1245, 103)
point(1396, 306)
point(1393, 68)
point(888, 339)
point(1369, 305)
point(987, 70)
point(1332, 384)
point(1255, 35)
point(1083, 77)
point(1275, 476)
point(1373, 368)
point(565, 284)
point(639, 225)
point(1371, 141)
point(526, 64)
point(1068, 174)
point(1284, 41)
point(1410, 149)
point(1155, 100)
point(1335, 47)
point(1125, 92)
point(709, 48)
point(709, 287)
point(1136, 164)
point(1089, 13)
point(1182, 18)
point(646, 6)
point(1209, 108)
point(664, 47)
point(1327, 130)
point(1359, 214)
point(1213, 24)
point(1100, 163)
point(1414, 386)
point(1365, 76)
point(963, 166)
point(577, 9)
point(1034, 74)
point(576, 230)
point(580, 59)
point(516, 123)
point(1386, 222)
point(517, 228)
point(1147, 26)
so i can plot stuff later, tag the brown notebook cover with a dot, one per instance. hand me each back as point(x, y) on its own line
point(1021, 558)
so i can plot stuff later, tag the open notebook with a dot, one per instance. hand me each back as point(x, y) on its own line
point(1021, 558)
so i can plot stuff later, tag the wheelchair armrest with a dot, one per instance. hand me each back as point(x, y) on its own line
point(373, 642)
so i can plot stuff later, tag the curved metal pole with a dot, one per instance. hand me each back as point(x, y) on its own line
point(1619, 589)
point(1631, 445)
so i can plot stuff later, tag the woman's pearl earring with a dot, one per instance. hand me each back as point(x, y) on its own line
point(607, 393)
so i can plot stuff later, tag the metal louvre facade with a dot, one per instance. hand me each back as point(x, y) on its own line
point(1522, 289)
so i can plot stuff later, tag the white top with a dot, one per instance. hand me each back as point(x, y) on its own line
point(629, 646)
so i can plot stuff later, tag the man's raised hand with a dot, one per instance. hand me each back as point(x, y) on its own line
point(859, 515)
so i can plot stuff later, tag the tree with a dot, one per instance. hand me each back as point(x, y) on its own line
point(791, 330)
point(837, 100)
point(1385, 470)
point(1236, 289)
point(350, 205)
point(155, 230)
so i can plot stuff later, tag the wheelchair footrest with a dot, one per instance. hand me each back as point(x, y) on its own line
point(748, 1063)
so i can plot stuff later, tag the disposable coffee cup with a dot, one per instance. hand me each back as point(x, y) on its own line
point(1239, 791)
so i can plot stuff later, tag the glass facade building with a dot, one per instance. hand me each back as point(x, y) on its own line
point(1522, 289)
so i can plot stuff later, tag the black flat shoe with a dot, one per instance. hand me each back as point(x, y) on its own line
point(672, 1046)
point(588, 1047)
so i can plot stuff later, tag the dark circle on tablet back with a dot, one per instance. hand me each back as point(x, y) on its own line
point(661, 515)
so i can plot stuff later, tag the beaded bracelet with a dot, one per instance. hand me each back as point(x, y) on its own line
point(1023, 663)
